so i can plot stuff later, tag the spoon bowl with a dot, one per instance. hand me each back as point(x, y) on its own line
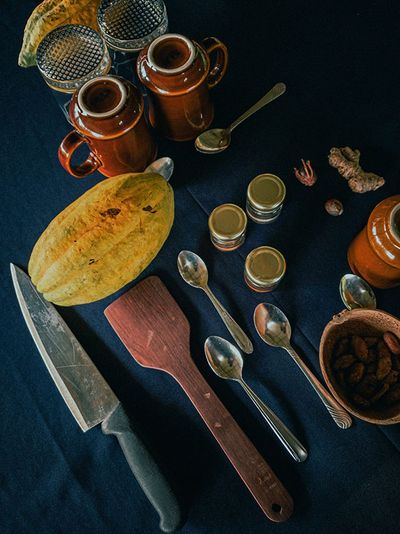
point(224, 358)
point(215, 140)
point(227, 362)
point(192, 269)
point(272, 325)
point(356, 293)
point(163, 166)
point(218, 139)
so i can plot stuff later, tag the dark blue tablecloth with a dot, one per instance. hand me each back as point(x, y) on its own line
point(340, 63)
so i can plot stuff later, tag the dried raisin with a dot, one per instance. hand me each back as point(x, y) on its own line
point(384, 365)
point(356, 372)
point(342, 346)
point(360, 348)
point(371, 341)
point(392, 342)
point(344, 361)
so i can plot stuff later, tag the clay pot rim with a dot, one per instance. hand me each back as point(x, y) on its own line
point(111, 112)
point(336, 320)
point(143, 62)
point(79, 123)
point(166, 36)
point(394, 211)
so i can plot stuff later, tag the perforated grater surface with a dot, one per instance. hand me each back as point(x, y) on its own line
point(70, 55)
point(130, 25)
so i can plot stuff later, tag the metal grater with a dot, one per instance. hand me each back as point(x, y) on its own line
point(130, 25)
point(70, 55)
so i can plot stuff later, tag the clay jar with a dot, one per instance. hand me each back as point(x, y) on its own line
point(375, 253)
point(179, 74)
point(107, 113)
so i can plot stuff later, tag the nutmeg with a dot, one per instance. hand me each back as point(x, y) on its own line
point(334, 207)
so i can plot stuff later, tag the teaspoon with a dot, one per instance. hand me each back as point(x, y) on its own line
point(194, 271)
point(163, 166)
point(227, 362)
point(356, 293)
point(274, 329)
point(218, 139)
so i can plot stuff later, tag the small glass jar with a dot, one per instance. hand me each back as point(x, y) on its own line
point(265, 196)
point(264, 269)
point(227, 224)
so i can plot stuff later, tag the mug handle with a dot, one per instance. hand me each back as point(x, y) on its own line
point(65, 151)
point(217, 72)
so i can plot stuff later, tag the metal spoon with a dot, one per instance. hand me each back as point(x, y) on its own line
point(274, 329)
point(194, 271)
point(163, 166)
point(218, 139)
point(356, 293)
point(227, 362)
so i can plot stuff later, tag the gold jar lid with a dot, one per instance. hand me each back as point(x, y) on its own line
point(227, 222)
point(266, 191)
point(265, 266)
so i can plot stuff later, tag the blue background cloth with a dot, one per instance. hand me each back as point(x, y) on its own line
point(340, 63)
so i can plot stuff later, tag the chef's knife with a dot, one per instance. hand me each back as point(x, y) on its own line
point(89, 397)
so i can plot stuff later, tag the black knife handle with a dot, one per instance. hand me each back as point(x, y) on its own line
point(145, 469)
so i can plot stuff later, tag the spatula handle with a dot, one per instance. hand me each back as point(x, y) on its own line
point(259, 478)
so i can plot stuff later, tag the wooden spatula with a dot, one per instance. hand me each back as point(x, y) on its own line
point(156, 332)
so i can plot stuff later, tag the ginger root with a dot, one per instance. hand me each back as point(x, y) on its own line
point(347, 162)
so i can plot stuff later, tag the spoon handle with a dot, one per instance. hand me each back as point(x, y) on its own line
point(237, 333)
point(288, 440)
point(273, 93)
point(338, 414)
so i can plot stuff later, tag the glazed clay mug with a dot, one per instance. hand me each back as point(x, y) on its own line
point(179, 74)
point(107, 113)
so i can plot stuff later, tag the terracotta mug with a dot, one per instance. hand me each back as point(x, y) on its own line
point(107, 113)
point(179, 74)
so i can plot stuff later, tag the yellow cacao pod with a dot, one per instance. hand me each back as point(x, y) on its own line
point(103, 240)
point(50, 14)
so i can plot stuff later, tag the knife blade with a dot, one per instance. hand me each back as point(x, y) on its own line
point(89, 397)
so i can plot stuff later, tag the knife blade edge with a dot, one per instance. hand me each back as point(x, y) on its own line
point(58, 379)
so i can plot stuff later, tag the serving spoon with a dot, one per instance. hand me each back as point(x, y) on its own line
point(227, 362)
point(356, 293)
point(273, 327)
point(218, 139)
point(194, 271)
point(163, 166)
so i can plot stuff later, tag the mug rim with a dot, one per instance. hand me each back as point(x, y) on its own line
point(105, 114)
point(176, 70)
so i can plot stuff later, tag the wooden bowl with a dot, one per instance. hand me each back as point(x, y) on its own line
point(361, 322)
